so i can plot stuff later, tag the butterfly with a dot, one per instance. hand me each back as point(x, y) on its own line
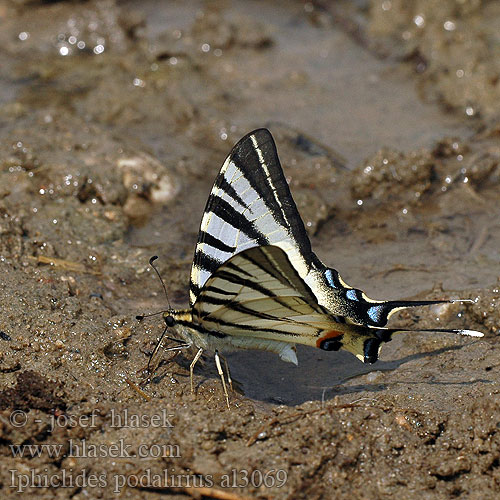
point(256, 283)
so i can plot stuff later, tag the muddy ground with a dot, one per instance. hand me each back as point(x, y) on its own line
point(114, 120)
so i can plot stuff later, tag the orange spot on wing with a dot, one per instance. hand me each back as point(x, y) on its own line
point(328, 335)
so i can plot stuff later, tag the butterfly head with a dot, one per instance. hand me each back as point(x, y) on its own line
point(169, 319)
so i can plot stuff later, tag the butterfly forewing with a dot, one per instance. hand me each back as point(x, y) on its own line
point(250, 205)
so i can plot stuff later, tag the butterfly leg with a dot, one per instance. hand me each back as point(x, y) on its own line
point(191, 368)
point(229, 379)
point(221, 374)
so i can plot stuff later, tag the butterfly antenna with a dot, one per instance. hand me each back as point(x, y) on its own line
point(151, 263)
point(169, 319)
point(140, 317)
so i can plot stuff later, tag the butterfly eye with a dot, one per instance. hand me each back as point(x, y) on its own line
point(169, 320)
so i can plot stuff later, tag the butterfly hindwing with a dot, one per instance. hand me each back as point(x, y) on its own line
point(258, 292)
point(257, 296)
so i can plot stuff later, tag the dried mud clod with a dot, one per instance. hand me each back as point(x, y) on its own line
point(33, 392)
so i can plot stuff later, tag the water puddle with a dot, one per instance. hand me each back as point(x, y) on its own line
point(316, 80)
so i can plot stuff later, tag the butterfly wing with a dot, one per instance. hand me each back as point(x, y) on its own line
point(258, 300)
point(250, 205)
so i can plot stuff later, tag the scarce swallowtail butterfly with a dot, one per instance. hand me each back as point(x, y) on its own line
point(255, 281)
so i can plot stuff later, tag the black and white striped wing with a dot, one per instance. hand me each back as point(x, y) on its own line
point(250, 205)
point(260, 277)
point(258, 294)
point(258, 300)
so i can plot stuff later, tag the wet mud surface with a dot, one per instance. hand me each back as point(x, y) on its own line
point(114, 120)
